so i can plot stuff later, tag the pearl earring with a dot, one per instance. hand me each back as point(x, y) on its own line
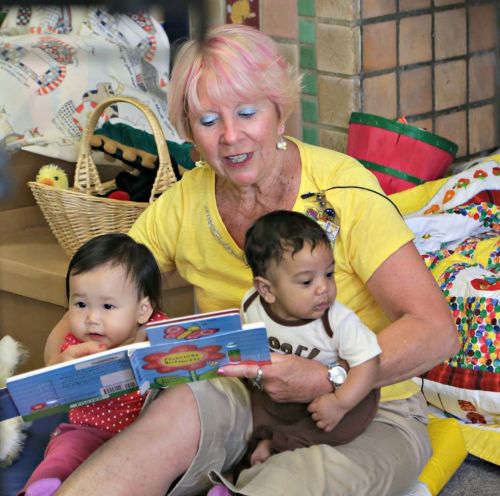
point(281, 144)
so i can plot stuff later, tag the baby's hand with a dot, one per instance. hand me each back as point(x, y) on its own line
point(77, 351)
point(326, 411)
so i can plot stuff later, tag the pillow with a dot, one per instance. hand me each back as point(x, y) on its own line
point(448, 453)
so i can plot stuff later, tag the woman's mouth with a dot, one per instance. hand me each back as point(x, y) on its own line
point(238, 159)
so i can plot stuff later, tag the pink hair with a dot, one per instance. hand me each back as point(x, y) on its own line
point(234, 59)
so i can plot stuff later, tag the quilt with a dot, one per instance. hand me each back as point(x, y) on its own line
point(459, 240)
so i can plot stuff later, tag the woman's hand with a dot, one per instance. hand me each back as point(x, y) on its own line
point(288, 379)
point(76, 351)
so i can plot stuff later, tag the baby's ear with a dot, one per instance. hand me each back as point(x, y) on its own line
point(263, 287)
point(145, 310)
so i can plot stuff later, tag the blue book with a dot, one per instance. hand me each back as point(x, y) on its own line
point(193, 326)
point(88, 379)
point(178, 361)
point(114, 372)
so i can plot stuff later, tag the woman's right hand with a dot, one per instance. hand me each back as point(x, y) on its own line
point(288, 378)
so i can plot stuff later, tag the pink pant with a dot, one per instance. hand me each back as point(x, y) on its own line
point(70, 445)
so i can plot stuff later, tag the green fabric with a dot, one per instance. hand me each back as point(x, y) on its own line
point(392, 172)
point(141, 140)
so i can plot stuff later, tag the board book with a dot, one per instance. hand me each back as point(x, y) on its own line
point(178, 351)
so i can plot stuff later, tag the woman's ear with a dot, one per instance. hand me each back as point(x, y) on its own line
point(145, 310)
point(264, 288)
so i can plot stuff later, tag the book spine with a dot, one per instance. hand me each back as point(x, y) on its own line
point(135, 362)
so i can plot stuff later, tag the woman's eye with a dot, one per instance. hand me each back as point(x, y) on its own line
point(247, 112)
point(208, 119)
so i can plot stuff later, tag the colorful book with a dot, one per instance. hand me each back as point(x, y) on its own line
point(181, 360)
point(193, 326)
point(146, 365)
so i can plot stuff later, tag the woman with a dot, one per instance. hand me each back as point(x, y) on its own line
point(230, 95)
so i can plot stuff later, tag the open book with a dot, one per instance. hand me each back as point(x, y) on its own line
point(179, 350)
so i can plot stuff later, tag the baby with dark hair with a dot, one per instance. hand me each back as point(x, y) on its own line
point(294, 294)
point(113, 286)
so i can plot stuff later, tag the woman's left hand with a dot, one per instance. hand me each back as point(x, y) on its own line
point(288, 379)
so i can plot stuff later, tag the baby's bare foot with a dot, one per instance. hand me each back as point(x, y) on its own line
point(262, 452)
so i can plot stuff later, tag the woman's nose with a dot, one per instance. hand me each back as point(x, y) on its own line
point(230, 131)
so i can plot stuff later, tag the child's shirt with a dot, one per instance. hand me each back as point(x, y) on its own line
point(113, 414)
point(351, 341)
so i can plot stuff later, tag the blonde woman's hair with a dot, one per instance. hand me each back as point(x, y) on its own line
point(233, 60)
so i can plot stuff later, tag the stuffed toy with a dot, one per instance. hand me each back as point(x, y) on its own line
point(52, 175)
point(137, 150)
point(12, 432)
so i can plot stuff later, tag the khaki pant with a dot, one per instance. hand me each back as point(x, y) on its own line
point(385, 459)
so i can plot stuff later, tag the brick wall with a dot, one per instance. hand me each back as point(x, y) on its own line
point(433, 61)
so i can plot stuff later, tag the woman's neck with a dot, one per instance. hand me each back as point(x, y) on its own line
point(275, 190)
point(239, 206)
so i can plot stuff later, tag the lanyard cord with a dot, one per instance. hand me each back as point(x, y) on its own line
point(308, 195)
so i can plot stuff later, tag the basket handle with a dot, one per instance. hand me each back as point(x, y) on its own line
point(86, 176)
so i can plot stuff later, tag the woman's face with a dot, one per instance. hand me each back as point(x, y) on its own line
point(237, 138)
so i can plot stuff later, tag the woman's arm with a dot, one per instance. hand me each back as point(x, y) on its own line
point(55, 339)
point(421, 335)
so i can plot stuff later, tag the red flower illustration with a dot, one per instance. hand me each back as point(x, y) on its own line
point(182, 357)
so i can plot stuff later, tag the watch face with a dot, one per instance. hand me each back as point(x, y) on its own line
point(337, 375)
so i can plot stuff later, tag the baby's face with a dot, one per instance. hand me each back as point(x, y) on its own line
point(104, 306)
point(302, 284)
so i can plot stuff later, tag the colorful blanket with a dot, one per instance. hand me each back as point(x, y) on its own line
point(459, 240)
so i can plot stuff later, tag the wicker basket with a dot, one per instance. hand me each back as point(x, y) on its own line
point(76, 215)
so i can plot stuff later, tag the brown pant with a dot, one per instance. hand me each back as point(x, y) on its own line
point(290, 426)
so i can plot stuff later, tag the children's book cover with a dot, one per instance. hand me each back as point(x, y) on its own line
point(180, 360)
point(186, 350)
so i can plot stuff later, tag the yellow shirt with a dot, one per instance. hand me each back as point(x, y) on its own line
point(184, 231)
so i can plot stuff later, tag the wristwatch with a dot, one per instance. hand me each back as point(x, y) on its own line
point(336, 374)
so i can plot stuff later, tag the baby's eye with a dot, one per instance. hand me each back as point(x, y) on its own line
point(247, 112)
point(306, 283)
point(108, 306)
point(329, 275)
point(208, 119)
point(80, 304)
